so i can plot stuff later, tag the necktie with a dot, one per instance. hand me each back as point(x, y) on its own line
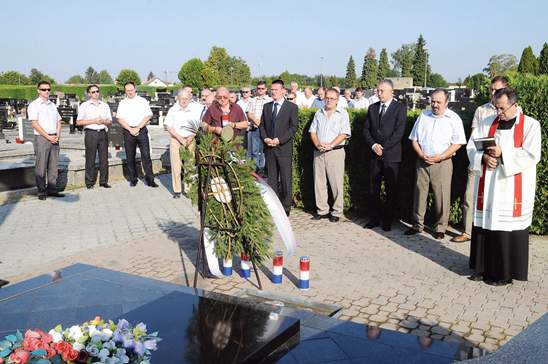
point(383, 107)
point(274, 111)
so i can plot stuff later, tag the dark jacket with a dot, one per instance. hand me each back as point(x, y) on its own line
point(283, 127)
point(387, 132)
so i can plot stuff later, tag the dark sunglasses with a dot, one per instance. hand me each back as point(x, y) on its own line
point(261, 88)
point(94, 92)
point(291, 98)
point(246, 92)
point(45, 89)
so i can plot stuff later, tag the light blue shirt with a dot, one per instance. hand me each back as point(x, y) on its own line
point(436, 134)
point(327, 129)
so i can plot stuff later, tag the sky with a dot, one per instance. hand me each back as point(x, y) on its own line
point(63, 38)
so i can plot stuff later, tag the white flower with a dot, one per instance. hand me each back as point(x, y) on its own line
point(107, 334)
point(92, 329)
point(55, 336)
point(77, 346)
point(75, 332)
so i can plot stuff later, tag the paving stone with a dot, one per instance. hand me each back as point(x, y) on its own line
point(389, 326)
point(440, 330)
point(409, 324)
point(419, 332)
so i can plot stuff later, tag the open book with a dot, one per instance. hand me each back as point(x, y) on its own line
point(484, 143)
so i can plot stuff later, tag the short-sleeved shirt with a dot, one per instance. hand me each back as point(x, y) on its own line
point(256, 105)
point(45, 113)
point(89, 110)
point(361, 103)
point(483, 112)
point(184, 121)
point(244, 104)
point(133, 110)
point(327, 129)
point(436, 134)
point(214, 116)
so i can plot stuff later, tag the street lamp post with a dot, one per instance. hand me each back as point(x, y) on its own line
point(321, 71)
point(425, 67)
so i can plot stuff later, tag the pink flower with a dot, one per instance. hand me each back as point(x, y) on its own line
point(20, 356)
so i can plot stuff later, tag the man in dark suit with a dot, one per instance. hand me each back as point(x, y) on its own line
point(383, 132)
point(279, 122)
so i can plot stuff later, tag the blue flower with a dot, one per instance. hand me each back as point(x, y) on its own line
point(139, 348)
point(122, 324)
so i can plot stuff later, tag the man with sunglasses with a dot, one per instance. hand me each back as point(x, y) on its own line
point(222, 113)
point(245, 100)
point(46, 123)
point(133, 114)
point(254, 141)
point(94, 115)
point(504, 191)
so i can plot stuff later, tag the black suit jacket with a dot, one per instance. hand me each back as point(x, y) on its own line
point(388, 132)
point(283, 127)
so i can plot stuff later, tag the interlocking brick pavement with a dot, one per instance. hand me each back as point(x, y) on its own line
point(410, 284)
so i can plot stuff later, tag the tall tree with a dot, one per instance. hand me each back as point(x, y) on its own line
point(36, 76)
point(350, 79)
point(239, 72)
point(105, 78)
point(420, 68)
point(150, 76)
point(91, 76)
point(543, 60)
point(13, 78)
point(216, 67)
point(191, 73)
point(528, 62)
point(436, 80)
point(500, 64)
point(75, 80)
point(127, 75)
point(369, 70)
point(384, 66)
point(403, 59)
point(476, 82)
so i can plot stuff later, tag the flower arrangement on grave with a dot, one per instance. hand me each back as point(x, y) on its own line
point(94, 341)
point(236, 214)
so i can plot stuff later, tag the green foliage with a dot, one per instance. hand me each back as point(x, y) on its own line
point(29, 92)
point(369, 70)
point(384, 66)
point(75, 80)
point(127, 75)
point(528, 62)
point(532, 91)
point(350, 78)
point(191, 73)
point(543, 60)
point(500, 64)
point(251, 232)
point(13, 78)
point(222, 69)
point(419, 62)
point(37, 76)
point(436, 80)
point(91, 76)
point(403, 60)
point(476, 82)
point(105, 78)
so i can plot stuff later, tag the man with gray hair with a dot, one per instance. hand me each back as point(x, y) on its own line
point(294, 87)
point(182, 122)
point(436, 136)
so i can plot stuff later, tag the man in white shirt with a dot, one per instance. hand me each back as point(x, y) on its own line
point(481, 113)
point(342, 104)
point(308, 98)
point(245, 100)
point(133, 114)
point(182, 122)
point(94, 115)
point(46, 123)
point(373, 98)
point(294, 87)
point(348, 97)
point(436, 136)
point(360, 102)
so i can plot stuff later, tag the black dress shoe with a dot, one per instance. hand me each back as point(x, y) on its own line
point(334, 219)
point(132, 183)
point(42, 197)
point(371, 224)
point(288, 212)
point(89, 187)
point(476, 277)
point(152, 184)
point(498, 283)
point(387, 227)
point(105, 185)
point(411, 231)
point(439, 235)
point(56, 194)
point(177, 195)
point(319, 217)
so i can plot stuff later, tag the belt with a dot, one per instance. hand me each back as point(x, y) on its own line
point(53, 134)
point(337, 147)
point(97, 130)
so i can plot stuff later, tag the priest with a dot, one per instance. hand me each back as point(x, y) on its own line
point(504, 191)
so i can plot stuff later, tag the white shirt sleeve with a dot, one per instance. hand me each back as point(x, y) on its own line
point(516, 160)
point(414, 132)
point(122, 110)
point(314, 124)
point(458, 136)
point(32, 111)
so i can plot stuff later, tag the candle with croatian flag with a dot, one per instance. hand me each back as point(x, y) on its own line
point(304, 274)
point(227, 266)
point(278, 266)
point(245, 266)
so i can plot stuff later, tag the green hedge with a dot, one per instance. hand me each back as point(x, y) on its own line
point(357, 163)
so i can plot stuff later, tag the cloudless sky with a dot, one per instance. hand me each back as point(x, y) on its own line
point(63, 38)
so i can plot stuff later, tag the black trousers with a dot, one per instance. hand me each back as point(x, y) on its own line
point(96, 141)
point(130, 143)
point(377, 170)
point(279, 177)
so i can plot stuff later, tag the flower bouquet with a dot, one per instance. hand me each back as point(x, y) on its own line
point(94, 341)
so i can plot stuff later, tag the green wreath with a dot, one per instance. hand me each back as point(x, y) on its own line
point(244, 225)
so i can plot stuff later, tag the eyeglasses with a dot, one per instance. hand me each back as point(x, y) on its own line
point(245, 92)
point(45, 89)
point(261, 88)
point(332, 98)
point(94, 92)
point(222, 97)
point(502, 111)
point(291, 98)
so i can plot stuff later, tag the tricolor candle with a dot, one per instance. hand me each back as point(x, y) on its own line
point(278, 267)
point(227, 266)
point(245, 266)
point(304, 273)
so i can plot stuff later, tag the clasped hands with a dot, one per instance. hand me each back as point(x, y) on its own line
point(272, 142)
point(323, 147)
point(185, 142)
point(432, 159)
point(491, 156)
point(53, 139)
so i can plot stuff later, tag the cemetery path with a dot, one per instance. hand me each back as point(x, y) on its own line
point(410, 284)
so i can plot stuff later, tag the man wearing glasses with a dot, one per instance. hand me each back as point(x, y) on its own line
point(46, 123)
point(133, 114)
point(94, 115)
point(328, 132)
point(254, 141)
point(504, 191)
point(245, 100)
point(222, 113)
